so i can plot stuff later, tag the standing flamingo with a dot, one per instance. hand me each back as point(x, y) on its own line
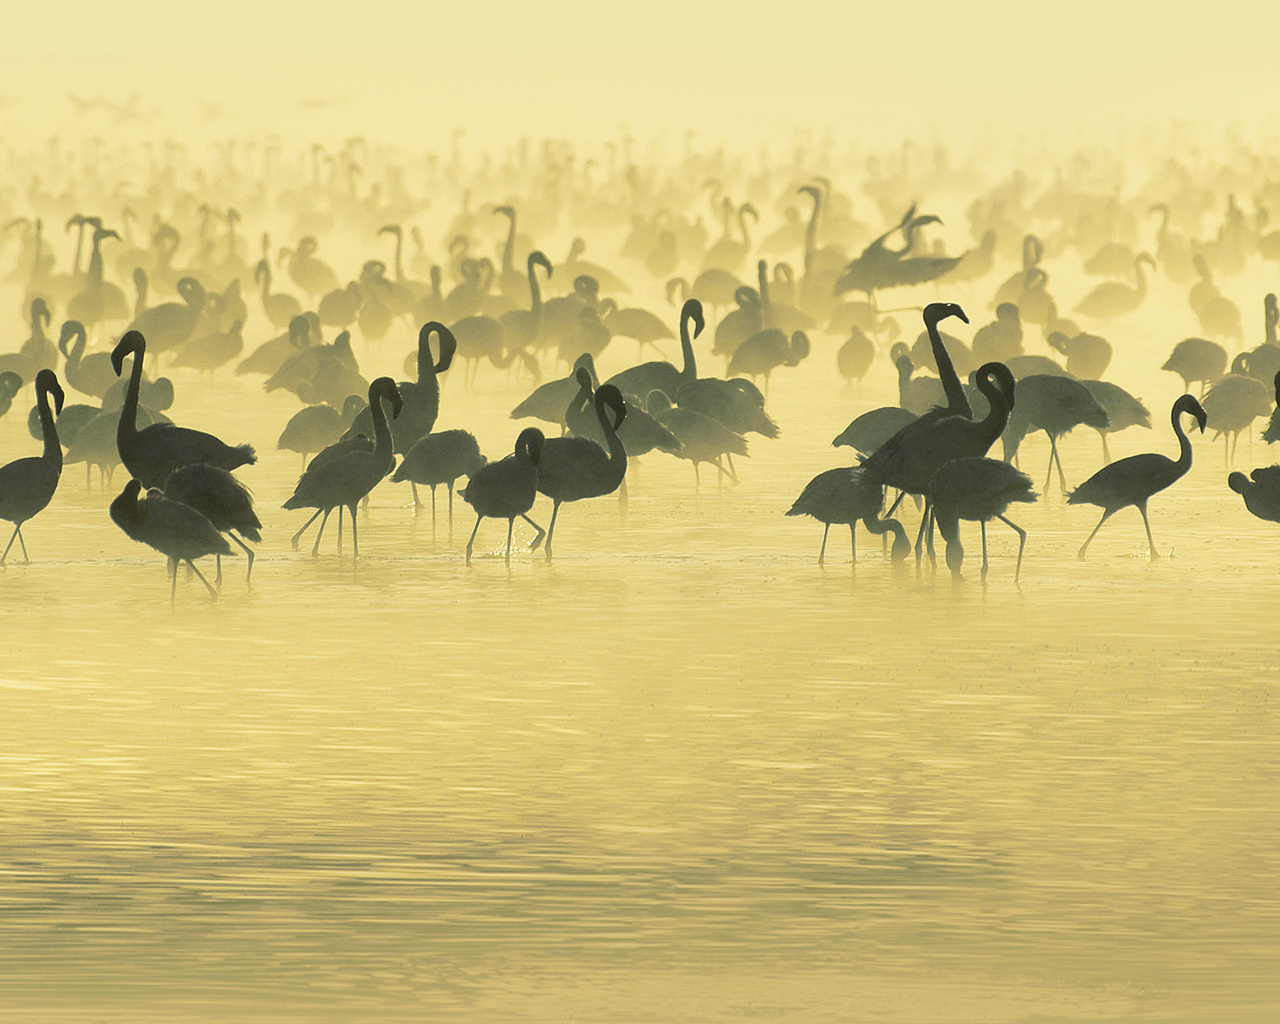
point(1134, 480)
point(28, 485)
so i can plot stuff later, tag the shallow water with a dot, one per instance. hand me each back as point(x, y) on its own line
point(681, 773)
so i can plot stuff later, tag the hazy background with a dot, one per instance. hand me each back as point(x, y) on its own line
point(962, 71)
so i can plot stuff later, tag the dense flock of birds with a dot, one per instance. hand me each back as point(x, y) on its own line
point(149, 253)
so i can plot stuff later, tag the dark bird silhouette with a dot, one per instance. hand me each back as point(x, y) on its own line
point(879, 266)
point(1056, 405)
point(660, 375)
point(420, 399)
point(350, 471)
point(843, 496)
point(176, 530)
point(572, 468)
point(978, 489)
point(220, 498)
point(28, 485)
point(1260, 490)
point(440, 458)
point(507, 488)
point(910, 458)
point(1272, 434)
point(150, 455)
point(1134, 480)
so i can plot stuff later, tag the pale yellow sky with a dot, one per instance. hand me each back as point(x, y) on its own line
point(583, 69)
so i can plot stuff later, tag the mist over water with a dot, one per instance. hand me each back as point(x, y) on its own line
point(679, 772)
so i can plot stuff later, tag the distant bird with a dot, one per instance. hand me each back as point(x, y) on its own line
point(150, 455)
point(175, 530)
point(268, 357)
point(916, 394)
point(315, 427)
point(1088, 355)
point(855, 356)
point(343, 479)
point(1260, 490)
point(280, 307)
point(1122, 409)
point(765, 351)
point(507, 488)
point(209, 351)
point(548, 401)
point(1002, 338)
point(572, 468)
point(1232, 403)
point(1197, 359)
point(1134, 480)
point(37, 352)
point(702, 438)
point(1263, 362)
point(10, 384)
point(1056, 405)
point(872, 429)
point(28, 485)
point(440, 458)
point(977, 489)
point(1113, 299)
point(90, 375)
point(635, 323)
point(169, 325)
point(842, 496)
point(220, 498)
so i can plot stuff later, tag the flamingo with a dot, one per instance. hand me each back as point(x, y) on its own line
point(843, 496)
point(351, 469)
point(175, 530)
point(440, 458)
point(1260, 490)
point(982, 489)
point(1134, 480)
point(220, 498)
point(28, 485)
point(150, 455)
point(572, 468)
point(507, 488)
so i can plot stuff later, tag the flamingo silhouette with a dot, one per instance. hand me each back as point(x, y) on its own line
point(28, 485)
point(1134, 480)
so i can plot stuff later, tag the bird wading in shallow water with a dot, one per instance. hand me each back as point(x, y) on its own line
point(1134, 480)
point(28, 485)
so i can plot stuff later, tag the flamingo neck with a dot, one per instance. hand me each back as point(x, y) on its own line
point(1184, 444)
point(52, 447)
